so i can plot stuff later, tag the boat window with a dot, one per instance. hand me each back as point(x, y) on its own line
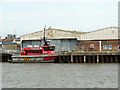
point(37, 51)
point(41, 51)
point(26, 51)
point(29, 51)
point(33, 51)
point(48, 48)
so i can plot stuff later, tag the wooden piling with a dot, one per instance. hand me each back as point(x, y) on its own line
point(107, 61)
point(89, 59)
point(111, 59)
point(102, 59)
point(76, 59)
point(68, 59)
point(64, 59)
point(80, 59)
point(116, 59)
point(93, 59)
point(59, 59)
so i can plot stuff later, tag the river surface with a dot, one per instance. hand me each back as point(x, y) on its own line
point(50, 75)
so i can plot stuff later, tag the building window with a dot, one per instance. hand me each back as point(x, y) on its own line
point(110, 46)
point(119, 47)
point(107, 46)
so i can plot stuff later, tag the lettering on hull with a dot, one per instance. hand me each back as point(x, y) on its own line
point(49, 58)
point(26, 59)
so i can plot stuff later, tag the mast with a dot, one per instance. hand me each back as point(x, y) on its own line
point(45, 42)
point(44, 35)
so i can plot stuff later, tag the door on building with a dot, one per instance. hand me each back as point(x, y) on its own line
point(119, 48)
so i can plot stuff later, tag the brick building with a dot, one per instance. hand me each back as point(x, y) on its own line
point(99, 45)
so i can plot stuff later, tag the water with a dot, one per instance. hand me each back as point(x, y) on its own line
point(50, 75)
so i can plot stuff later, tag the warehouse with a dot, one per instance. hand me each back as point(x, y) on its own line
point(105, 39)
point(64, 40)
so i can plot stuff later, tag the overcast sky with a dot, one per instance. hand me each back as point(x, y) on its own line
point(27, 16)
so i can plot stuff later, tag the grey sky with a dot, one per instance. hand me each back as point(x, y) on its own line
point(31, 16)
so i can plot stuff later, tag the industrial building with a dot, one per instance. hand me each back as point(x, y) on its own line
point(64, 40)
point(105, 39)
point(52, 33)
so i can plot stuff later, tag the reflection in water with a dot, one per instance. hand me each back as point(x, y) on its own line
point(50, 75)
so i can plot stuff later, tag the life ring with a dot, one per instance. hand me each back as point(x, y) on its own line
point(92, 46)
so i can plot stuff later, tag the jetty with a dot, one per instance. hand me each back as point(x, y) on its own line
point(88, 57)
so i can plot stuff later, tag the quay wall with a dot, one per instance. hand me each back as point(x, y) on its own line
point(88, 57)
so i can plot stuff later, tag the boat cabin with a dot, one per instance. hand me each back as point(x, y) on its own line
point(41, 51)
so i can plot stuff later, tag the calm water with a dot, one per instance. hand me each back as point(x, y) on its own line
point(50, 75)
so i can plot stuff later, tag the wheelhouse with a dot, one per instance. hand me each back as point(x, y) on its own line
point(42, 50)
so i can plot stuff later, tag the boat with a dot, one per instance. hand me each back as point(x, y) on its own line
point(44, 54)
